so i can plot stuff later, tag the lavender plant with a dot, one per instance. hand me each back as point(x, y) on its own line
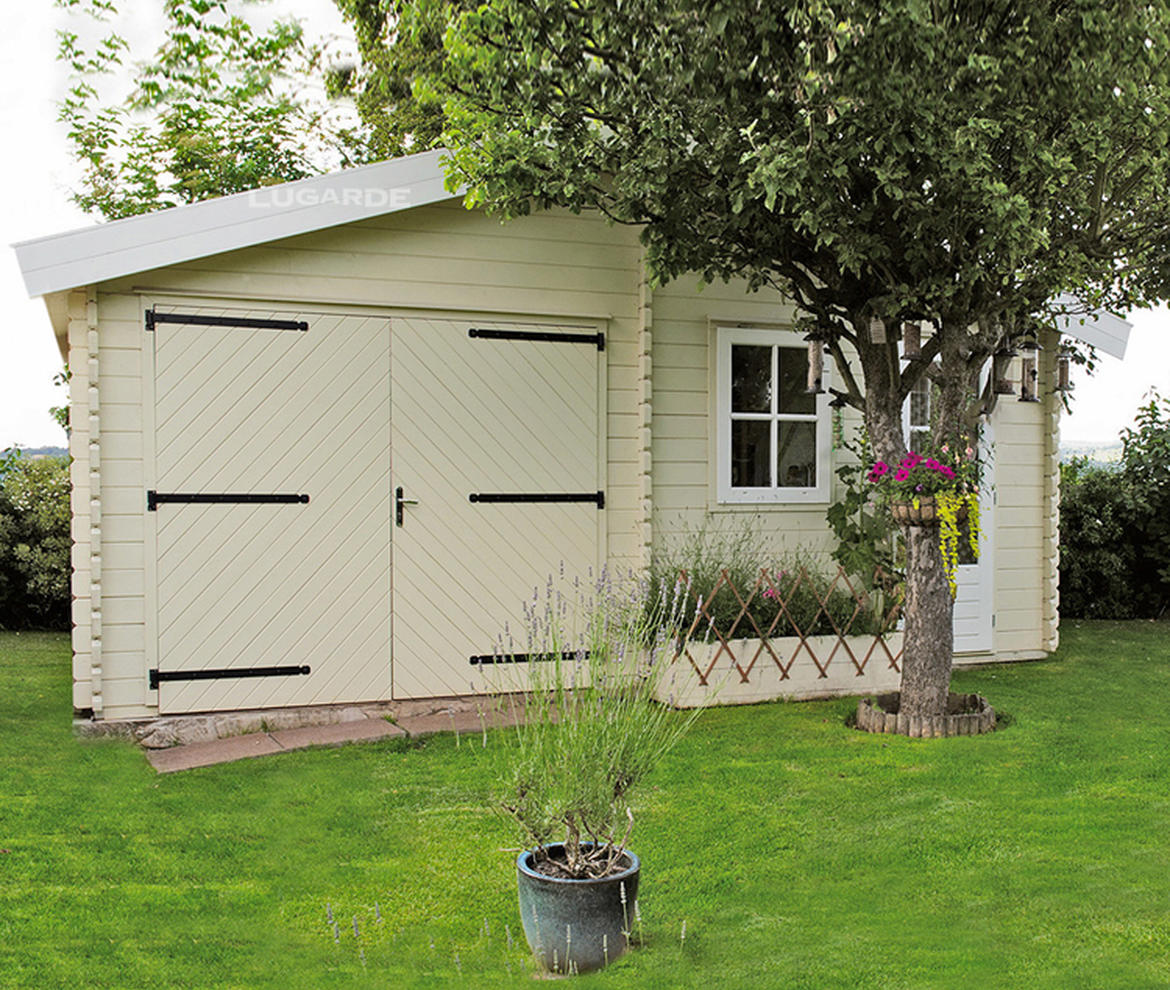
point(591, 730)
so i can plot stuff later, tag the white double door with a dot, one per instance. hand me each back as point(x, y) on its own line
point(351, 508)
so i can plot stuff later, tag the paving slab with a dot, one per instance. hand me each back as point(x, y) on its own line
point(207, 754)
point(337, 735)
point(462, 722)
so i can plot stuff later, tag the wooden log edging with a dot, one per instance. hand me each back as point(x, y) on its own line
point(968, 715)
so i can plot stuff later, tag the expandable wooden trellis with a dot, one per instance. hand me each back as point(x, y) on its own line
point(703, 628)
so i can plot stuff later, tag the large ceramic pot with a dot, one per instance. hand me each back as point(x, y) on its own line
point(575, 926)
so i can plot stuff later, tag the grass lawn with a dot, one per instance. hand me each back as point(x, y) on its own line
point(799, 853)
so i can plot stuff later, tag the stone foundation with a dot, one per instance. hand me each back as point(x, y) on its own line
point(181, 730)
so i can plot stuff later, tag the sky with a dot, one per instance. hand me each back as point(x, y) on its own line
point(36, 175)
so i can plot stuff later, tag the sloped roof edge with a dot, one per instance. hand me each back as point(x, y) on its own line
point(183, 233)
point(1104, 331)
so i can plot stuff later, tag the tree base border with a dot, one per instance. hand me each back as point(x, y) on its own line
point(967, 715)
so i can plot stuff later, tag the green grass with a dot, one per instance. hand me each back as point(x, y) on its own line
point(798, 852)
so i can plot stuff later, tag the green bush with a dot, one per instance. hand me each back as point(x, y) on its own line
point(1097, 554)
point(34, 542)
point(1115, 526)
point(1145, 467)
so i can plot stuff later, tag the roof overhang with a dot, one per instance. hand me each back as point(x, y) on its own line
point(184, 233)
point(1104, 331)
point(94, 254)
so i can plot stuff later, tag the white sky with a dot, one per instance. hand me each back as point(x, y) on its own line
point(35, 177)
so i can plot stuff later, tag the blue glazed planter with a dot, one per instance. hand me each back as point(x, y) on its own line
point(576, 926)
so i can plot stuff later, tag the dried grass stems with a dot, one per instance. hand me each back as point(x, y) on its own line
point(591, 729)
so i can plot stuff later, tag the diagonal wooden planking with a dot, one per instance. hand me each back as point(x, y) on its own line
point(472, 418)
point(267, 585)
point(227, 448)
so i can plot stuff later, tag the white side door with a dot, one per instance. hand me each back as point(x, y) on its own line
point(974, 631)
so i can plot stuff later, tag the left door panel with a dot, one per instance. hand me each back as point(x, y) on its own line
point(252, 590)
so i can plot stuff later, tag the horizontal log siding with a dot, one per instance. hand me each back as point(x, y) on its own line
point(684, 490)
point(79, 436)
point(1019, 541)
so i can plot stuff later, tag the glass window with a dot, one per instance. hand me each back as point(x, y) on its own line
point(772, 432)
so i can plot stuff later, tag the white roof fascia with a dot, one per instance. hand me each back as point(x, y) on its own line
point(198, 230)
point(1104, 331)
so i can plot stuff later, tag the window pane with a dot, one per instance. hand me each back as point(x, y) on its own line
point(920, 441)
point(751, 379)
point(794, 397)
point(796, 460)
point(920, 404)
point(751, 448)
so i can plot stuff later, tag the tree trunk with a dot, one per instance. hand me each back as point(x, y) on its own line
point(930, 633)
point(929, 639)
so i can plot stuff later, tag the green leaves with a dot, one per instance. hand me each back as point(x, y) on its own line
point(924, 153)
point(34, 542)
point(220, 108)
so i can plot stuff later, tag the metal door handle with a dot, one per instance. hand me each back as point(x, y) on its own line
point(400, 503)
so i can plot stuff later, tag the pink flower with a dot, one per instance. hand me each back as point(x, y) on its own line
point(932, 464)
point(911, 461)
point(945, 471)
point(901, 474)
point(880, 468)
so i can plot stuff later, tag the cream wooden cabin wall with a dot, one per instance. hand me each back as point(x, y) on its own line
point(123, 508)
point(438, 258)
point(683, 430)
point(83, 406)
point(1024, 537)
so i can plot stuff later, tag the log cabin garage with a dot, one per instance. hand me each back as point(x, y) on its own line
point(328, 437)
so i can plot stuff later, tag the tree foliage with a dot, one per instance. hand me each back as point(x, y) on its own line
point(221, 107)
point(956, 162)
point(399, 43)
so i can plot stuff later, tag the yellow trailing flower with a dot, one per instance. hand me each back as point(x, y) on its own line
point(948, 506)
point(973, 523)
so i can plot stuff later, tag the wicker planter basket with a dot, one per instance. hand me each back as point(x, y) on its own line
point(925, 514)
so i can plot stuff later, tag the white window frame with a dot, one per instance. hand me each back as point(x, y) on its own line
point(725, 338)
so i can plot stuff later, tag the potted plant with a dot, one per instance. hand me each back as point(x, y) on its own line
point(589, 734)
point(934, 490)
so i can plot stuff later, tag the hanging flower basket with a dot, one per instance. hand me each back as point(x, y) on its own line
point(921, 512)
point(940, 491)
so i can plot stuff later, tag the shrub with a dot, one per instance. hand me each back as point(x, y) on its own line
point(1097, 554)
point(1115, 526)
point(1145, 466)
point(592, 729)
point(34, 542)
